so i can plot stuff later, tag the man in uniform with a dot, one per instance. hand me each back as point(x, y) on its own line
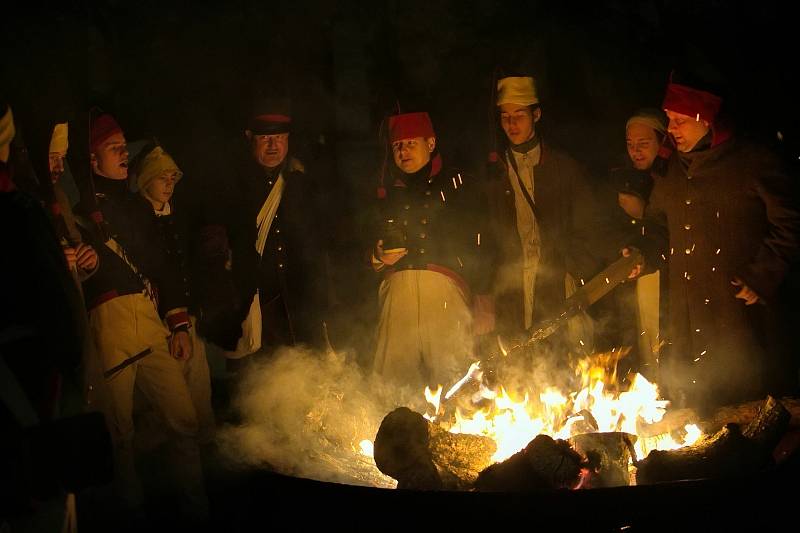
point(428, 248)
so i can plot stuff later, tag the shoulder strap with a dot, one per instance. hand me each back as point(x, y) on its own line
point(513, 162)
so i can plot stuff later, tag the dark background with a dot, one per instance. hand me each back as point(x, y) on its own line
point(186, 72)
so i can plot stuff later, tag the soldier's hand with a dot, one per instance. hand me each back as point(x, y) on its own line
point(388, 258)
point(86, 257)
point(745, 293)
point(180, 345)
point(71, 257)
point(637, 270)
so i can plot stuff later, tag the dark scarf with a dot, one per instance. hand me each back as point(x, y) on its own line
point(527, 146)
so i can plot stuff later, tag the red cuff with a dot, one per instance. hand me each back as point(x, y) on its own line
point(178, 319)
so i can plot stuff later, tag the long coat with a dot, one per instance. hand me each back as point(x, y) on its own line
point(730, 211)
point(568, 217)
point(291, 275)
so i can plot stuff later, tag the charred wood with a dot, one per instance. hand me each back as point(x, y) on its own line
point(741, 414)
point(543, 464)
point(422, 456)
point(609, 455)
point(730, 452)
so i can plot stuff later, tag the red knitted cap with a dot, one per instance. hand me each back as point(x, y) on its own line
point(103, 127)
point(692, 102)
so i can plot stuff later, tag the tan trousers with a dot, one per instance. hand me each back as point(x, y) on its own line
point(198, 378)
point(121, 328)
point(424, 331)
point(647, 314)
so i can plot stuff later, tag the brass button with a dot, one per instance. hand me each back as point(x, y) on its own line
point(688, 201)
point(687, 226)
point(422, 250)
point(280, 265)
point(688, 177)
point(508, 192)
point(425, 206)
point(405, 222)
point(688, 251)
point(280, 248)
point(406, 207)
point(422, 235)
point(427, 193)
point(423, 221)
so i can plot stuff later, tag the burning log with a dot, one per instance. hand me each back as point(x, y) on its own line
point(731, 451)
point(421, 456)
point(741, 414)
point(543, 464)
point(610, 454)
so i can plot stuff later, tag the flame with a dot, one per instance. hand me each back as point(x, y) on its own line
point(513, 420)
point(367, 448)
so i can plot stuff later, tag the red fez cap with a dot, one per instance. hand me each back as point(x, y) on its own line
point(409, 126)
point(103, 127)
point(692, 102)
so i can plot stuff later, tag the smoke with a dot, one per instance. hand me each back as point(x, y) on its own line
point(304, 413)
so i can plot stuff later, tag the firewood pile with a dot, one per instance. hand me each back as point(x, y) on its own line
point(422, 456)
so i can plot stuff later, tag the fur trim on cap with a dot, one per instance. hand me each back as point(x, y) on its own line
point(517, 90)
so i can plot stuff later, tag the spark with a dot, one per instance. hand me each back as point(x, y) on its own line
point(780, 136)
point(442, 193)
point(696, 360)
point(582, 281)
point(455, 185)
point(460, 263)
point(713, 269)
point(698, 330)
point(703, 352)
point(718, 250)
point(717, 214)
point(642, 333)
point(473, 372)
point(698, 117)
point(663, 257)
point(460, 182)
point(693, 245)
point(479, 239)
point(671, 251)
point(445, 304)
point(707, 300)
point(582, 344)
point(607, 281)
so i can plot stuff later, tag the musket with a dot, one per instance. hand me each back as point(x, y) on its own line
point(589, 293)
